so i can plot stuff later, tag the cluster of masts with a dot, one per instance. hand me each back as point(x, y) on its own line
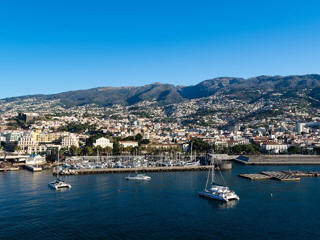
point(212, 190)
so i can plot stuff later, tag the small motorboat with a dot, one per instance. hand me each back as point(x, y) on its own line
point(138, 177)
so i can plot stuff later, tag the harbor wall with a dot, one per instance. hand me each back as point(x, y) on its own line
point(139, 169)
point(279, 159)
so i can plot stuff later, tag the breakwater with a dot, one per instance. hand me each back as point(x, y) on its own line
point(279, 159)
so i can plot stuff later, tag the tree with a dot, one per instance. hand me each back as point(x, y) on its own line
point(245, 149)
point(74, 151)
point(138, 137)
point(294, 150)
point(317, 150)
point(17, 148)
point(92, 139)
point(199, 145)
point(107, 150)
point(98, 149)
point(116, 147)
point(88, 150)
point(145, 141)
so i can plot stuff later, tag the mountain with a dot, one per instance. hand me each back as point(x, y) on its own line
point(163, 93)
point(251, 89)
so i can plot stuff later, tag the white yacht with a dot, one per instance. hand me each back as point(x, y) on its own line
point(139, 177)
point(58, 183)
point(35, 160)
point(216, 191)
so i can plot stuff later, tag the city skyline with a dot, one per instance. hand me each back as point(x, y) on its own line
point(77, 45)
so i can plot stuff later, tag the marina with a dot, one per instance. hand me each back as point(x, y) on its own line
point(131, 170)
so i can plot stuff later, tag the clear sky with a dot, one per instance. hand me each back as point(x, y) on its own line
point(60, 45)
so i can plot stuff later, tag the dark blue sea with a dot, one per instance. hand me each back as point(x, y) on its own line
point(167, 207)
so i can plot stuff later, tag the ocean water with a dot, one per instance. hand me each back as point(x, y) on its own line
point(167, 207)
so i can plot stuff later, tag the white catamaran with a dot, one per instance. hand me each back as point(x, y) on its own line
point(216, 191)
point(58, 183)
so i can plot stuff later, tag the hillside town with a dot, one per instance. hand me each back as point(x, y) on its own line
point(274, 126)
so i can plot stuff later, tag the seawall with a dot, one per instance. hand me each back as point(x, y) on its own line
point(279, 159)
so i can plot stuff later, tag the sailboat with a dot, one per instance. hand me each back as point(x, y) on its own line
point(58, 183)
point(192, 163)
point(216, 191)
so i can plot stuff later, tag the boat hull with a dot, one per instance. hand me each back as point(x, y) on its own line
point(138, 179)
point(217, 197)
point(212, 196)
point(59, 186)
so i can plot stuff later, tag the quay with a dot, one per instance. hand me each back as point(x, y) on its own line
point(9, 169)
point(280, 175)
point(33, 168)
point(132, 170)
point(285, 159)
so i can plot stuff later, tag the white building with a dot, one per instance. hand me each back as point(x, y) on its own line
point(103, 142)
point(36, 149)
point(274, 147)
point(27, 141)
point(301, 127)
point(69, 140)
point(2, 139)
point(128, 143)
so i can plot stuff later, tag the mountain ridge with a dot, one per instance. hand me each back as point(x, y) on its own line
point(163, 93)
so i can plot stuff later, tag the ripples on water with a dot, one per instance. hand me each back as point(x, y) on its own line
point(167, 207)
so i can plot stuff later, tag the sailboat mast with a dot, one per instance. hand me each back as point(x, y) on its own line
point(191, 152)
point(58, 165)
point(212, 172)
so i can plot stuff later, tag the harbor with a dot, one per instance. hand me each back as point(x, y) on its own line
point(128, 164)
point(108, 201)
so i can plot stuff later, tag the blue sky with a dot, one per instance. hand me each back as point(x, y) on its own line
point(61, 45)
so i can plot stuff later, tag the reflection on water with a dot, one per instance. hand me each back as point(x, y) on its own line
point(107, 206)
point(230, 204)
point(220, 204)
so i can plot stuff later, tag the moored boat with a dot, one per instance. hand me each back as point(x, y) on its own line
point(216, 191)
point(58, 183)
point(138, 177)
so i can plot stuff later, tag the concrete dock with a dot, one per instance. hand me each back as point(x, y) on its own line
point(9, 169)
point(280, 175)
point(255, 176)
